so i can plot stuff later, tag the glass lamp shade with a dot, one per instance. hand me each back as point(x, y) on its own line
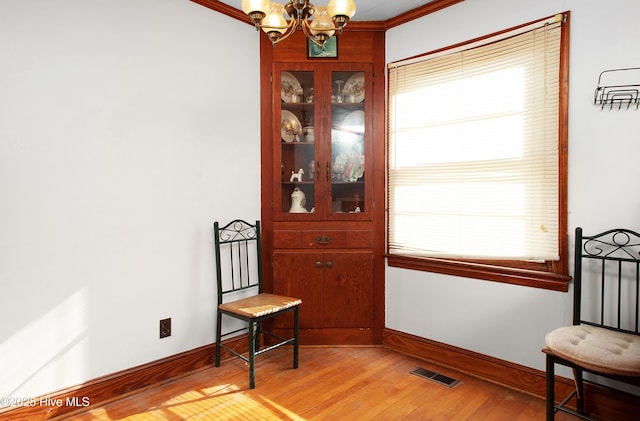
point(249, 6)
point(275, 21)
point(321, 23)
point(341, 8)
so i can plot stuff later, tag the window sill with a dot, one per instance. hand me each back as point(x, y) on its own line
point(509, 275)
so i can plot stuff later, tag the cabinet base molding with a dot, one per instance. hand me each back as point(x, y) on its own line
point(330, 336)
point(600, 402)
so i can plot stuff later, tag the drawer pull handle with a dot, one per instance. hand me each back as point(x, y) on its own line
point(318, 264)
point(323, 240)
point(329, 264)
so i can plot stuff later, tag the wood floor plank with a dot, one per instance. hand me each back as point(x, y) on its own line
point(359, 392)
point(369, 383)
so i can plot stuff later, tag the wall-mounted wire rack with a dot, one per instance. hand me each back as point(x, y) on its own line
point(617, 88)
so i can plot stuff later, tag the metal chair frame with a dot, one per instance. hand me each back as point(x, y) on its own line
point(617, 253)
point(239, 237)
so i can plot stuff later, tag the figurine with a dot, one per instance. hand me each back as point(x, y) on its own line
point(298, 201)
point(297, 176)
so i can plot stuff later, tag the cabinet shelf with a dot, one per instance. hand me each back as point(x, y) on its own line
point(297, 183)
point(296, 105)
point(347, 183)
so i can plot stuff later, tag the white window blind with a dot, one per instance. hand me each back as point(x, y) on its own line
point(473, 164)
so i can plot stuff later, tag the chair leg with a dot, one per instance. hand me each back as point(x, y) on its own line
point(257, 336)
point(550, 398)
point(295, 336)
point(577, 375)
point(218, 337)
point(252, 357)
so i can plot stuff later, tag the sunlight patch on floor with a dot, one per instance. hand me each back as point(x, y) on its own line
point(222, 402)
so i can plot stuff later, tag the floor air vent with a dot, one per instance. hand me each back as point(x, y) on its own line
point(436, 377)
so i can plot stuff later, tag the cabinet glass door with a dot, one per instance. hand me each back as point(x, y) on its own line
point(297, 142)
point(348, 142)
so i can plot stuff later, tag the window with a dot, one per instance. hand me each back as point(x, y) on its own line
point(477, 158)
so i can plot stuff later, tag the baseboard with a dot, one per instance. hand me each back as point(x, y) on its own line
point(601, 402)
point(114, 386)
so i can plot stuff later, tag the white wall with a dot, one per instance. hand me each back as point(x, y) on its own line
point(505, 321)
point(126, 128)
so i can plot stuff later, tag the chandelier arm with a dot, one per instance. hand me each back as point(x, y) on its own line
point(291, 28)
point(307, 32)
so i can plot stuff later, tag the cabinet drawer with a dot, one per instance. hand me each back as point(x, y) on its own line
point(291, 239)
point(286, 239)
point(337, 239)
point(324, 239)
point(360, 239)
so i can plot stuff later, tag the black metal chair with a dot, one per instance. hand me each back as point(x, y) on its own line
point(604, 338)
point(240, 296)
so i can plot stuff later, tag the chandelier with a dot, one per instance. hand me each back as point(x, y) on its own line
point(318, 23)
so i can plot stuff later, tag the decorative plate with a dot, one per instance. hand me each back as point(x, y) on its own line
point(355, 86)
point(354, 123)
point(288, 86)
point(289, 126)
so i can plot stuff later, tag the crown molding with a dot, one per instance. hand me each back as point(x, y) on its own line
point(225, 9)
point(416, 13)
point(419, 12)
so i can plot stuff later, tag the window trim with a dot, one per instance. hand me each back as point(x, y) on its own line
point(551, 275)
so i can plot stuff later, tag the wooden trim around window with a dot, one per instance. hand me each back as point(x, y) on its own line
point(552, 275)
point(497, 273)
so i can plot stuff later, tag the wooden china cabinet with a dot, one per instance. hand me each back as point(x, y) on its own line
point(323, 161)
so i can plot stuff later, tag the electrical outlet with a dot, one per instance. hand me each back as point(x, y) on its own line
point(165, 328)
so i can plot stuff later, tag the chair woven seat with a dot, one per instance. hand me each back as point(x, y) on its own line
point(598, 349)
point(260, 305)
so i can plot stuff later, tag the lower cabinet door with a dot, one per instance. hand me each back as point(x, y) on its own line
point(336, 288)
point(348, 289)
point(300, 275)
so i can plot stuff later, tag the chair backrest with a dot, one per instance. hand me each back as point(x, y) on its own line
point(607, 280)
point(238, 257)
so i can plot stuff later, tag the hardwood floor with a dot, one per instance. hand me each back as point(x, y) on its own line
point(358, 383)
